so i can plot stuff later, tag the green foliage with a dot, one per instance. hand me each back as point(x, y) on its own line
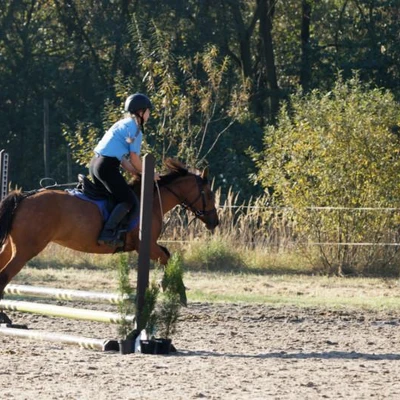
point(82, 141)
point(168, 314)
point(126, 306)
point(196, 104)
point(83, 137)
point(161, 316)
point(335, 149)
point(172, 281)
point(173, 298)
point(84, 58)
point(193, 104)
point(148, 317)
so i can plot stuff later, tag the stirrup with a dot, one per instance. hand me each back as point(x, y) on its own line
point(111, 241)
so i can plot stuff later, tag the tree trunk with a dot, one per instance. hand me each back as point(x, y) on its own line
point(305, 68)
point(244, 36)
point(120, 31)
point(267, 51)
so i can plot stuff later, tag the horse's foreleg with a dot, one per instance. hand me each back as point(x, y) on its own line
point(159, 253)
point(166, 252)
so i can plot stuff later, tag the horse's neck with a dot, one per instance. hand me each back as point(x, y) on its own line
point(169, 201)
point(173, 196)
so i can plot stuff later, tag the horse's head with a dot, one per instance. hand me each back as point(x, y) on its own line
point(201, 201)
point(193, 192)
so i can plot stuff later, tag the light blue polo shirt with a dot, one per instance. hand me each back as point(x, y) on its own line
point(122, 138)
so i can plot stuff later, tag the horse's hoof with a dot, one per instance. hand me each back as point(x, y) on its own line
point(4, 319)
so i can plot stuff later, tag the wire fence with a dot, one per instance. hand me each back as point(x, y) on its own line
point(334, 240)
point(277, 227)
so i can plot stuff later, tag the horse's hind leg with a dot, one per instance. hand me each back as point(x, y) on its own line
point(11, 269)
point(5, 254)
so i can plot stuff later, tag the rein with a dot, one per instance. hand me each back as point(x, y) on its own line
point(190, 206)
point(54, 184)
point(161, 207)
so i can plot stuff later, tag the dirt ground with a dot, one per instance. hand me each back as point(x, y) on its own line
point(225, 351)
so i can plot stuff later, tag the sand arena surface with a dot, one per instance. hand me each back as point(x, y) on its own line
point(225, 351)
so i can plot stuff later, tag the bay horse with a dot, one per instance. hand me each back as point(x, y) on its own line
point(30, 221)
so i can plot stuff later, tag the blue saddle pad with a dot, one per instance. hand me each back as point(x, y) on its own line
point(102, 206)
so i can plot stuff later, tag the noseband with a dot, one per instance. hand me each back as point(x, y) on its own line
point(190, 206)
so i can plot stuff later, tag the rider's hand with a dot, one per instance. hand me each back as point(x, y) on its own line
point(156, 176)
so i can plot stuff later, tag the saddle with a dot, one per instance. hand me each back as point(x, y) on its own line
point(91, 190)
point(94, 192)
point(101, 194)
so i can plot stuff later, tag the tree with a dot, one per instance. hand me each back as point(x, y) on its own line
point(335, 149)
point(78, 53)
point(196, 104)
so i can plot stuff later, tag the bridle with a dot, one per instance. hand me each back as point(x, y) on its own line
point(190, 205)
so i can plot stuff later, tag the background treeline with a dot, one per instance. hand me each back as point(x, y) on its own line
point(217, 72)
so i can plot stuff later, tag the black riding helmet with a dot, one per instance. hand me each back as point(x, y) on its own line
point(136, 102)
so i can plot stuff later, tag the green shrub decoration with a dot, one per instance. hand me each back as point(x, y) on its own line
point(126, 306)
point(162, 312)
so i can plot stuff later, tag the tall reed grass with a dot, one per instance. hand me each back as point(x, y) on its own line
point(244, 226)
point(249, 239)
point(243, 242)
point(253, 237)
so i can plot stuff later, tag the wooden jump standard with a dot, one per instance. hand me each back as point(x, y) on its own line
point(6, 329)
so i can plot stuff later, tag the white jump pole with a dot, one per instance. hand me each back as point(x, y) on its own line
point(64, 294)
point(83, 342)
point(65, 312)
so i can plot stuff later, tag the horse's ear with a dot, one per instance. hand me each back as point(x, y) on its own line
point(204, 174)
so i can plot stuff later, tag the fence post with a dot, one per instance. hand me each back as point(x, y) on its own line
point(146, 208)
point(46, 146)
point(4, 162)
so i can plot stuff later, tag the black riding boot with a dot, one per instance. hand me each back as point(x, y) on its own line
point(109, 234)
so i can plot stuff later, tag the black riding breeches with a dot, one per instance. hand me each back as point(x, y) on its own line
point(105, 172)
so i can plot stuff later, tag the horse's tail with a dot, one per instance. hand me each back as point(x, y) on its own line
point(7, 211)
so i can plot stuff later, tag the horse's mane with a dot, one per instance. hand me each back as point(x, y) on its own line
point(175, 170)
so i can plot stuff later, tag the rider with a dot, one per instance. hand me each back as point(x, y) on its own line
point(120, 146)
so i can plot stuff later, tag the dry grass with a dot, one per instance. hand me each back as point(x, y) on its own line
point(248, 259)
point(300, 290)
point(245, 226)
point(269, 289)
